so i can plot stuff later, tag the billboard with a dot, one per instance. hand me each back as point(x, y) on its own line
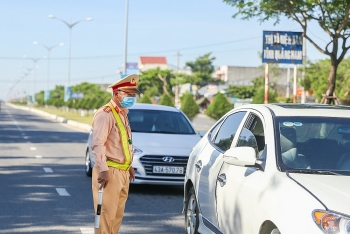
point(77, 95)
point(282, 47)
point(131, 66)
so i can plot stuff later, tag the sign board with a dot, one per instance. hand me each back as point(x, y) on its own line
point(282, 47)
point(131, 66)
point(77, 95)
point(67, 93)
point(299, 92)
point(46, 95)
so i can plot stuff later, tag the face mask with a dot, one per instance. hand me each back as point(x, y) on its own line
point(128, 102)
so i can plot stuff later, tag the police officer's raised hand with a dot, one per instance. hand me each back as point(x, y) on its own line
point(103, 179)
point(132, 174)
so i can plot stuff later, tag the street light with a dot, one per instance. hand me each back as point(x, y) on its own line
point(48, 48)
point(35, 60)
point(70, 26)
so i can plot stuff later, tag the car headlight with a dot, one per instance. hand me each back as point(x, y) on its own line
point(331, 222)
point(136, 150)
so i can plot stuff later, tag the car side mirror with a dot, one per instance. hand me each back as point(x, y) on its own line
point(241, 156)
point(201, 133)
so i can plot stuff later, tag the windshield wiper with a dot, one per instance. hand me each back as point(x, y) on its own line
point(310, 171)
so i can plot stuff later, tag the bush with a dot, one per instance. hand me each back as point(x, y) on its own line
point(283, 99)
point(219, 107)
point(259, 96)
point(166, 100)
point(189, 106)
point(145, 99)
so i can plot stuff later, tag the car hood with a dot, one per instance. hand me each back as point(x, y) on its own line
point(332, 190)
point(170, 144)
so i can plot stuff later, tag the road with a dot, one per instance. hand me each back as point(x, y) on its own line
point(44, 188)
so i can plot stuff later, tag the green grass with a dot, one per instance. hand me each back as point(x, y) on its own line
point(87, 119)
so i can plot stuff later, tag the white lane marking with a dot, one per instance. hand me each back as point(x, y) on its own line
point(32, 148)
point(38, 156)
point(62, 192)
point(87, 230)
point(25, 137)
point(48, 170)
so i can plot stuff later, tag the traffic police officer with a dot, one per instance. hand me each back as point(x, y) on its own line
point(113, 152)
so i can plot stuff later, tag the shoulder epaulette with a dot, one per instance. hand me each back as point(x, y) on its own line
point(107, 109)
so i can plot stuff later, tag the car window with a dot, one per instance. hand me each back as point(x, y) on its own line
point(158, 121)
point(252, 135)
point(321, 143)
point(213, 132)
point(227, 131)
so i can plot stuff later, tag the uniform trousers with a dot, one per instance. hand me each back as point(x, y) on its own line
point(113, 199)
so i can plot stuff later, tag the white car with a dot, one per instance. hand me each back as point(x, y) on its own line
point(163, 138)
point(271, 168)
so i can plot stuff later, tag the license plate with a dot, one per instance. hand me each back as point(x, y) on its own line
point(168, 170)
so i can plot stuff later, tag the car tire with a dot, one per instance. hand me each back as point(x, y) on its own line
point(88, 169)
point(191, 213)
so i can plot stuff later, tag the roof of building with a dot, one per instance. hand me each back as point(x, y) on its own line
point(153, 60)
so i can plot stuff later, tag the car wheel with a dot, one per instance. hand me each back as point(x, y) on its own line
point(191, 213)
point(88, 169)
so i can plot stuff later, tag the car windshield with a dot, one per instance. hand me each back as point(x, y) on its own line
point(318, 145)
point(157, 121)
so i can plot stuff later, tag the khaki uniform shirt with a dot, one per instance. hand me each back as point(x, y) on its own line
point(106, 141)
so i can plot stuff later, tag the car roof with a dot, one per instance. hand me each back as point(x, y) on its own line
point(306, 109)
point(145, 106)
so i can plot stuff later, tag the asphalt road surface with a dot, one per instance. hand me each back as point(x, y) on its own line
point(43, 187)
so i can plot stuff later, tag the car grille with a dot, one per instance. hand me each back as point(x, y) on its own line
point(148, 161)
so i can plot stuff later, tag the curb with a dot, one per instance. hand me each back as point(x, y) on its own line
point(82, 126)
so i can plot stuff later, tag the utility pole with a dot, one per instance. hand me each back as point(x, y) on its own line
point(177, 98)
point(303, 96)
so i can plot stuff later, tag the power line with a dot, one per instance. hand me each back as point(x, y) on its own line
point(135, 54)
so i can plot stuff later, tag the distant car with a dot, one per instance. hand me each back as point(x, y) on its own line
point(163, 138)
point(271, 168)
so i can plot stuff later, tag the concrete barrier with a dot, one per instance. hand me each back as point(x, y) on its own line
point(60, 119)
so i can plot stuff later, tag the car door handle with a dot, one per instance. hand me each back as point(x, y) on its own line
point(222, 179)
point(199, 165)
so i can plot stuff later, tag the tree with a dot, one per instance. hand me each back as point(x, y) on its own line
point(166, 100)
point(259, 96)
point(219, 107)
point(202, 70)
point(56, 96)
point(331, 15)
point(150, 80)
point(316, 79)
point(145, 99)
point(189, 106)
point(242, 92)
point(39, 97)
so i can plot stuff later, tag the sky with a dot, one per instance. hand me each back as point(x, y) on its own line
point(155, 28)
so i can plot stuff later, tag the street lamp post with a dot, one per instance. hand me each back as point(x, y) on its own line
point(35, 60)
point(126, 35)
point(70, 26)
point(48, 48)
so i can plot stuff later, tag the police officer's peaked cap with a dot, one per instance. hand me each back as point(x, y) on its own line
point(128, 82)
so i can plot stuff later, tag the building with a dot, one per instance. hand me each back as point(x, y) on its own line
point(147, 63)
point(244, 76)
